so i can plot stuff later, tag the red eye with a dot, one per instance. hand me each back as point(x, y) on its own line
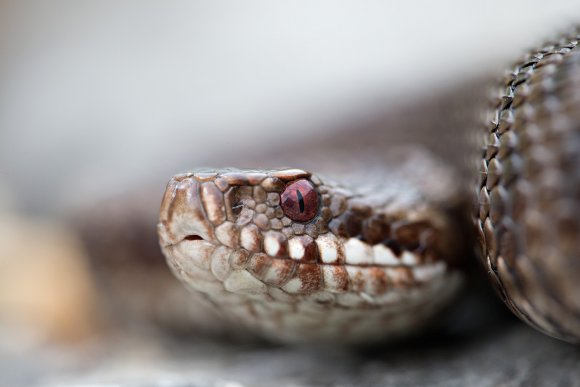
point(300, 201)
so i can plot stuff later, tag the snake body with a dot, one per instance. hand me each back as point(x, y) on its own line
point(371, 246)
point(529, 191)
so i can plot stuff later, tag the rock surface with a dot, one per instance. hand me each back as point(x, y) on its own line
point(511, 355)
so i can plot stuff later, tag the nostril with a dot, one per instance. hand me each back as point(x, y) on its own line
point(193, 238)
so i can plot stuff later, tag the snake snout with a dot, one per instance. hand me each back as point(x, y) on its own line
point(182, 216)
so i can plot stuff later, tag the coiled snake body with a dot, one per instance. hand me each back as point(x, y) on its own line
point(295, 256)
point(529, 198)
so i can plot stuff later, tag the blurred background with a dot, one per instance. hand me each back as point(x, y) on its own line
point(99, 97)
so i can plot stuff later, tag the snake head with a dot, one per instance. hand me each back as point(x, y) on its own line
point(281, 240)
point(244, 209)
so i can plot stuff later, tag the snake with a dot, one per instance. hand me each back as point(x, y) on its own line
point(373, 245)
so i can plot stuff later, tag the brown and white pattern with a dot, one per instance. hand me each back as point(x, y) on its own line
point(365, 266)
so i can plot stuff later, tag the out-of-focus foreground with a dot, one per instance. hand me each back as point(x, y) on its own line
point(97, 98)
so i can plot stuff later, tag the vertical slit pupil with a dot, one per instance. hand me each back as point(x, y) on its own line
point(300, 200)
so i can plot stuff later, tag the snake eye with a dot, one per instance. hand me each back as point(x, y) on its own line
point(300, 201)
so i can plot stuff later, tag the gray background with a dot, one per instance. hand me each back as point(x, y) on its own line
point(98, 95)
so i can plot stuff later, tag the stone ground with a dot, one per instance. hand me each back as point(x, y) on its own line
point(509, 355)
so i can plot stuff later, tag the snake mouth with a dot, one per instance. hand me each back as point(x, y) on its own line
point(192, 237)
point(201, 263)
point(350, 255)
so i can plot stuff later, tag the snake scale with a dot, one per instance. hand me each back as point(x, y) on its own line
point(373, 245)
